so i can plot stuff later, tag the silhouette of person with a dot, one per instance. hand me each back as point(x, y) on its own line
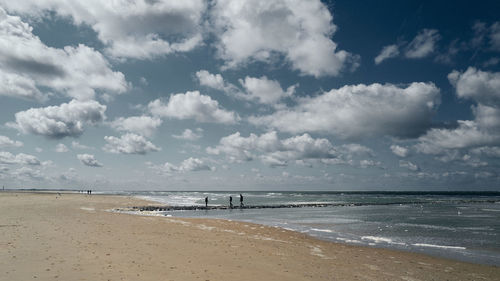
point(206, 202)
point(231, 202)
point(241, 200)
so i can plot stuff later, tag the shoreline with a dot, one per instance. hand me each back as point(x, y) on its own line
point(456, 252)
point(74, 237)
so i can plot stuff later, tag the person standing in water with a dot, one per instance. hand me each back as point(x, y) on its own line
point(241, 200)
point(231, 202)
point(206, 202)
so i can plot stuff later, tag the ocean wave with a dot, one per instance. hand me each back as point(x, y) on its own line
point(438, 246)
point(322, 230)
point(378, 239)
point(427, 226)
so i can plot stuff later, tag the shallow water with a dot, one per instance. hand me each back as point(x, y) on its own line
point(463, 226)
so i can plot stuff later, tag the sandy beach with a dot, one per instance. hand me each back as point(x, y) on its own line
point(46, 236)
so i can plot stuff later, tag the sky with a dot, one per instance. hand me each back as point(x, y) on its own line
point(250, 95)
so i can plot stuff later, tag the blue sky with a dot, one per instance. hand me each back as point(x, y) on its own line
point(250, 95)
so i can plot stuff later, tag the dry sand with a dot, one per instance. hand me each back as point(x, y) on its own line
point(74, 237)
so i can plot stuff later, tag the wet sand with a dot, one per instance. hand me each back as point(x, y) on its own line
point(74, 237)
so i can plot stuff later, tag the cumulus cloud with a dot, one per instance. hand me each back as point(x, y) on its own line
point(129, 144)
point(481, 86)
point(423, 44)
point(208, 79)
point(484, 129)
point(89, 160)
point(387, 52)
point(21, 158)
point(77, 145)
point(261, 90)
point(400, 150)
point(18, 86)
point(144, 125)
point(190, 135)
point(271, 150)
point(299, 30)
point(356, 149)
point(360, 111)
point(193, 105)
point(67, 119)
point(27, 173)
point(188, 165)
point(61, 148)
point(264, 90)
point(142, 29)
point(366, 163)
point(7, 142)
point(27, 64)
point(409, 165)
point(491, 151)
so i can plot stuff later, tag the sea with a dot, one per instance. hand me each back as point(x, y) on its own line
point(463, 226)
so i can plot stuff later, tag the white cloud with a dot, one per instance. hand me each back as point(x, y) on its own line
point(484, 130)
point(360, 111)
point(354, 148)
point(193, 105)
point(193, 164)
point(264, 90)
point(21, 158)
point(7, 142)
point(261, 90)
point(387, 52)
point(77, 145)
point(299, 30)
point(271, 150)
point(423, 44)
point(190, 135)
point(400, 150)
point(27, 173)
point(409, 165)
point(67, 119)
point(495, 36)
point(140, 29)
point(481, 86)
point(144, 125)
point(129, 144)
point(188, 165)
point(27, 64)
point(61, 148)
point(491, 151)
point(89, 160)
point(365, 163)
point(18, 86)
point(208, 79)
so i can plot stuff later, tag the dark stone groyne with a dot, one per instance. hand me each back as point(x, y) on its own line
point(302, 205)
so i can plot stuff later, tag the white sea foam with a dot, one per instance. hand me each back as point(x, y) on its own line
point(321, 230)
point(490, 210)
point(428, 226)
point(348, 240)
point(377, 239)
point(438, 246)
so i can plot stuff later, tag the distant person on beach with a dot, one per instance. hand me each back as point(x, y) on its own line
point(231, 202)
point(206, 202)
point(241, 200)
